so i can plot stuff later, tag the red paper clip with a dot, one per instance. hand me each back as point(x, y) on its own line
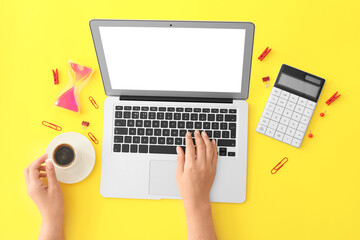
point(56, 76)
point(93, 138)
point(333, 98)
point(279, 165)
point(92, 100)
point(264, 53)
point(266, 81)
point(52, 126)
point(85, 124)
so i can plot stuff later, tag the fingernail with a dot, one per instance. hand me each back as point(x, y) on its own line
point(188, 134)
point(49, 164)
point(177, 149)
point(197, 132)
point(204, 133)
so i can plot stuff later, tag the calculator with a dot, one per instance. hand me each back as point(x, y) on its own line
point(290, 106)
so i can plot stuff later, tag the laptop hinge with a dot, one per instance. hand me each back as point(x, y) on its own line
point(175, 99)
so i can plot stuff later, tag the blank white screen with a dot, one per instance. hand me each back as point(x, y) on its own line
point(174, 59)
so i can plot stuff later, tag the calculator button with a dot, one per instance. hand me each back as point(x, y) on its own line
point(296, 142)
point(281, 102)
point(299, 135)
point(287, 139)
point(276, 91)
point(270, 132)
point(305, 120)
point(311, 105)
point(273, 124)
point(302, 101)
point(290, 131)
point(284, 94)
point(261, 129)
point(288, 113)
point(293, 124)
point(299, 109)
point(296, 116)
point(264, 121)
point(290, 106)
point(302, 127)
point(308, 112)
point(270, 106)
point(267, 114)
point(281, 128)
point(276, 117)
point(293, 98)
point(273, 99)
point(279, 110)
point(278, 135)
point(284, 120)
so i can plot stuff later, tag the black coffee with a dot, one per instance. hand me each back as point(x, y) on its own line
point(64, 155)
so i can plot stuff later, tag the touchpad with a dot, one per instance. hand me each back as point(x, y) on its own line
point(163, 178)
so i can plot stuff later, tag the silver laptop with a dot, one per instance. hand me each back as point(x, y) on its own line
point(162, 79)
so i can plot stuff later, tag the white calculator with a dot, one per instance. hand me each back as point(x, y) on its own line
point(290, 106)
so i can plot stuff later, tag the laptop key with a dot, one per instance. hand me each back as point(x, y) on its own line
point(194, 116)
point(147, 123)
point(177, 116)
point(172, 124)
point(170, 141)
point(171, 109)
point(144, 140)
point(127, 108)
point(223, 110)
point(219, 117)
point(130, 123)
point(232, 111)
point(125, 148)
point(179, 109)
point(166, 132)
point(118, 114)
point(181, 124)
point(162, 149)
point(225, 134)
point(211, 117)
point(164, 124)
point(215, 125)
point(198, 125)
point(197, 109)
point(140, 131)
point(214, 110)
point(232, 127)
point(143, 115)
point(157, 132)
point(136, 139)
point(143, 148)
point(133, 148)
point(120, 122)
point(160, 115)
point(202, 117)
point(222, 151)
point(121, 131)
point(178, 141)
point(168, 116)
point(152, 115)
point(217, 134)
point(209, 133)
point(162, 109)
point(155, 124)
point(161, 140)
point(182, 133)
point(127, 139)
point(144, 108)
point(206, 110)
point(139, 123)
point(136, 108)
point(188, 109)
point(223, 126)
point(230, 118)
point(189, 124)
point(174, 132)
point(185, 116)
point(132, 131)
point(153, 108)
point(226, 143)
point(119, 107)
point(153, 140)
point(117, 147)
point(149, 132)
point(118, 139)
point(231, 154)
point(135, 115)
point(206, 125)
point(127, 114)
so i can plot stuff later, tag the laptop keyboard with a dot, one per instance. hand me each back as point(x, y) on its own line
point(160, 130)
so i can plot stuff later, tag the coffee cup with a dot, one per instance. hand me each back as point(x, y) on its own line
point(64, 156)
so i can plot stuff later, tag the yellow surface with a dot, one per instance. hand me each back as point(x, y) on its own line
point(316, 195)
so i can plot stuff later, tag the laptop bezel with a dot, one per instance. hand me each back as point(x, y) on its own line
point(95, 24)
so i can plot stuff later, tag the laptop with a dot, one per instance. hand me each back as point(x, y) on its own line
point(162, 79)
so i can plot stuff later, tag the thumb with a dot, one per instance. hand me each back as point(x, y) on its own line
point(180, 160)
point(51, 175)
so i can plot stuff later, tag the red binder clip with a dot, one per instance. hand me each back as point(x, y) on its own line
point(85, 124)
point(266, 81)
point(93, 138)
point(333, 98)
point(279, 165)
point(56, 76)
point(264, 53)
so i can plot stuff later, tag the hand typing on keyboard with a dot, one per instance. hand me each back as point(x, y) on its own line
point(195, 173)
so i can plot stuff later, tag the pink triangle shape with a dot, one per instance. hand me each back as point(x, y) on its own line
point(68, 101)
point(80, 71)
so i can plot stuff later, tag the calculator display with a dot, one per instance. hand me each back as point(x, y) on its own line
point(298, 85)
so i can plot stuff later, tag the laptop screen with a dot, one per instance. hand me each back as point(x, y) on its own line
point(174, 59)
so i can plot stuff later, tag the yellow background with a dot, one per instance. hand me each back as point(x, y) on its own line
point(316, 195)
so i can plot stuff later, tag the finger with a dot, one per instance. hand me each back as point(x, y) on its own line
point(200, 147)
point(189, 151)
point(51, 175)
point(180, 160)
point(42, 168)
point(34, 167)
point(209, 147)
point(27, 178)
point(42, 174)
point(215, 153)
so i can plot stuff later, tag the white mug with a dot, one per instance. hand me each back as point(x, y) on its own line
point(56, 150)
